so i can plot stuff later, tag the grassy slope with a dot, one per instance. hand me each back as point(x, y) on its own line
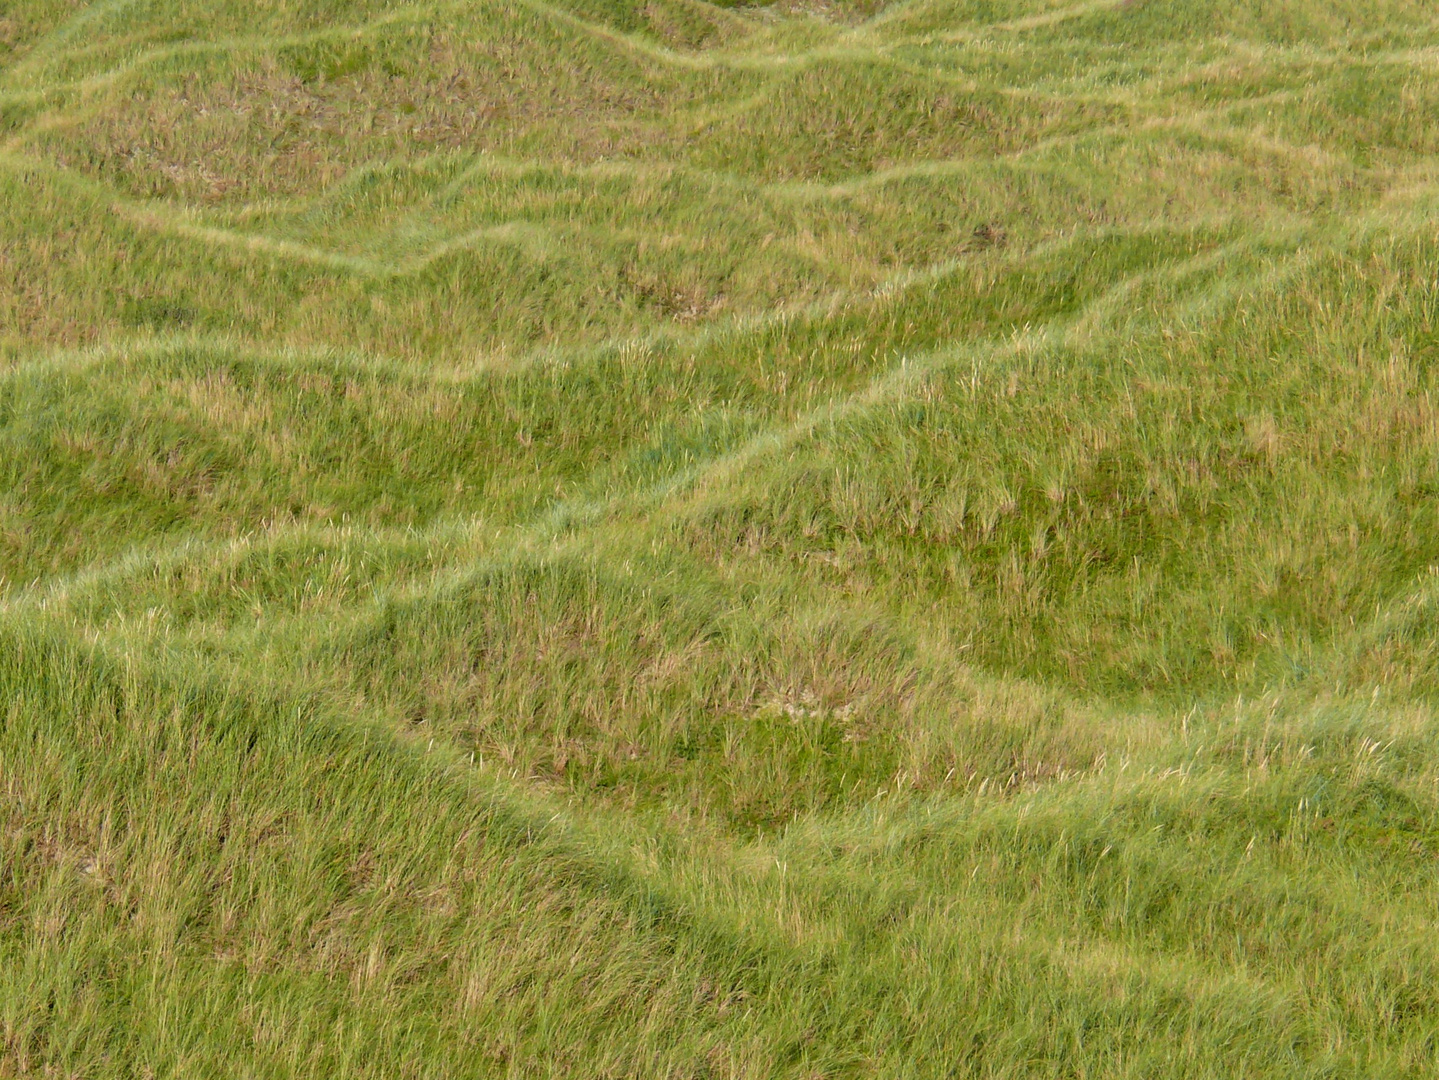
point(596, 539)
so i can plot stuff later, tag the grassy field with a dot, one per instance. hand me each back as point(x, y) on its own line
point(601, 538)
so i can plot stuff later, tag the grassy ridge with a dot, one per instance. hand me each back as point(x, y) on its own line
point(601, 539)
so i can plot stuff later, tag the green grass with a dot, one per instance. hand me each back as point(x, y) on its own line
point(587, 538)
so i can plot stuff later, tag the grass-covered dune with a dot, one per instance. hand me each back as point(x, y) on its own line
point(607, 539)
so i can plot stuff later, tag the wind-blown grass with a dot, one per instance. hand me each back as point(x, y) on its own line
point(605, 539)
